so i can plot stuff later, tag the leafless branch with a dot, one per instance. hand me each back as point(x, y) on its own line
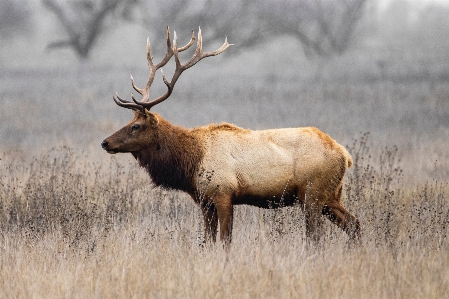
point(82, 21)
point(322, 27)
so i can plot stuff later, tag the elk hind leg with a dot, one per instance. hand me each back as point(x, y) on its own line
point(225, 212)
point(338, 215)
point(210, 222)
point(312, 213)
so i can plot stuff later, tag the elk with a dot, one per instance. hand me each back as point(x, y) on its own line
point(222, 165)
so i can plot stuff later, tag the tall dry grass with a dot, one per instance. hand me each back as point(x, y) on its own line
point(76, 223)
point(75, 228)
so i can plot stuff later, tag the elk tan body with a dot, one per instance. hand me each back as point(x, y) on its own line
point(270, 164)
point(222, 165)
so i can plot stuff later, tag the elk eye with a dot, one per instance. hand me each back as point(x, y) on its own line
point(135, 127)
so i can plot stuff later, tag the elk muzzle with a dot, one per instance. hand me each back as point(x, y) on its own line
point(106, 146)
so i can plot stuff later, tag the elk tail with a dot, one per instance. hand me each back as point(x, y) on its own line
point(348, 157)
point(349, 161)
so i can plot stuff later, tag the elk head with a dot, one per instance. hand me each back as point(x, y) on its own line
point(140, 132)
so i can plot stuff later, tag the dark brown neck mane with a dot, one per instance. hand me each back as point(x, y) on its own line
point(173, 158)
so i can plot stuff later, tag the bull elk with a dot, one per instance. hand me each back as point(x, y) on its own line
point(222, 165)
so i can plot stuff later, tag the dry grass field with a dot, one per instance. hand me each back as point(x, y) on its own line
point(78, 223)
point(74, 227)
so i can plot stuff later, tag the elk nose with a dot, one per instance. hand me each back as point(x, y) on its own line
point(104, 144)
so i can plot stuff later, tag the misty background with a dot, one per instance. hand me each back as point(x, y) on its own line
point(346, 66)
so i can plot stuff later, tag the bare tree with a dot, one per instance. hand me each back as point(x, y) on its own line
point(84, 20)
point(235, 18)
point(323, 27)
point(14, 17)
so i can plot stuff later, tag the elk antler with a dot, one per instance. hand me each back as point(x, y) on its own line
point(145, 103)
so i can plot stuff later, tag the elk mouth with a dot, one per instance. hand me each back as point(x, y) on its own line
point(106, 146)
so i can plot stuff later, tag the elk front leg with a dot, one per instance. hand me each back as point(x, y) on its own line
point(225, 213)
point(210, 222)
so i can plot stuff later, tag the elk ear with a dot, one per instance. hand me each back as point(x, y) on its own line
point(154, 121)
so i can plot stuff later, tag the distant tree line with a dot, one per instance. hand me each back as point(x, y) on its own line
point(322, 27)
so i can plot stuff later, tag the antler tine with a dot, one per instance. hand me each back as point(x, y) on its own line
point(142, 104)
point(176, 51)
point(216, 52)
point(192, 39)
point(149, 56)
point(219, 50)
point(140, 91)
point(153, 68)
point(171, 84)
point(199, 54)
point(199, 45)
point(171, 51)
point(126, 104)
point(145, 91)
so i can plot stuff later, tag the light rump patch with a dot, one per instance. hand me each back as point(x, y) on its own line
point(331, 144)
point(222, 165)
point(325, 139)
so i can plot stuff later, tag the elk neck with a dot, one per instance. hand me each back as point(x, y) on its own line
point(172, 160)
